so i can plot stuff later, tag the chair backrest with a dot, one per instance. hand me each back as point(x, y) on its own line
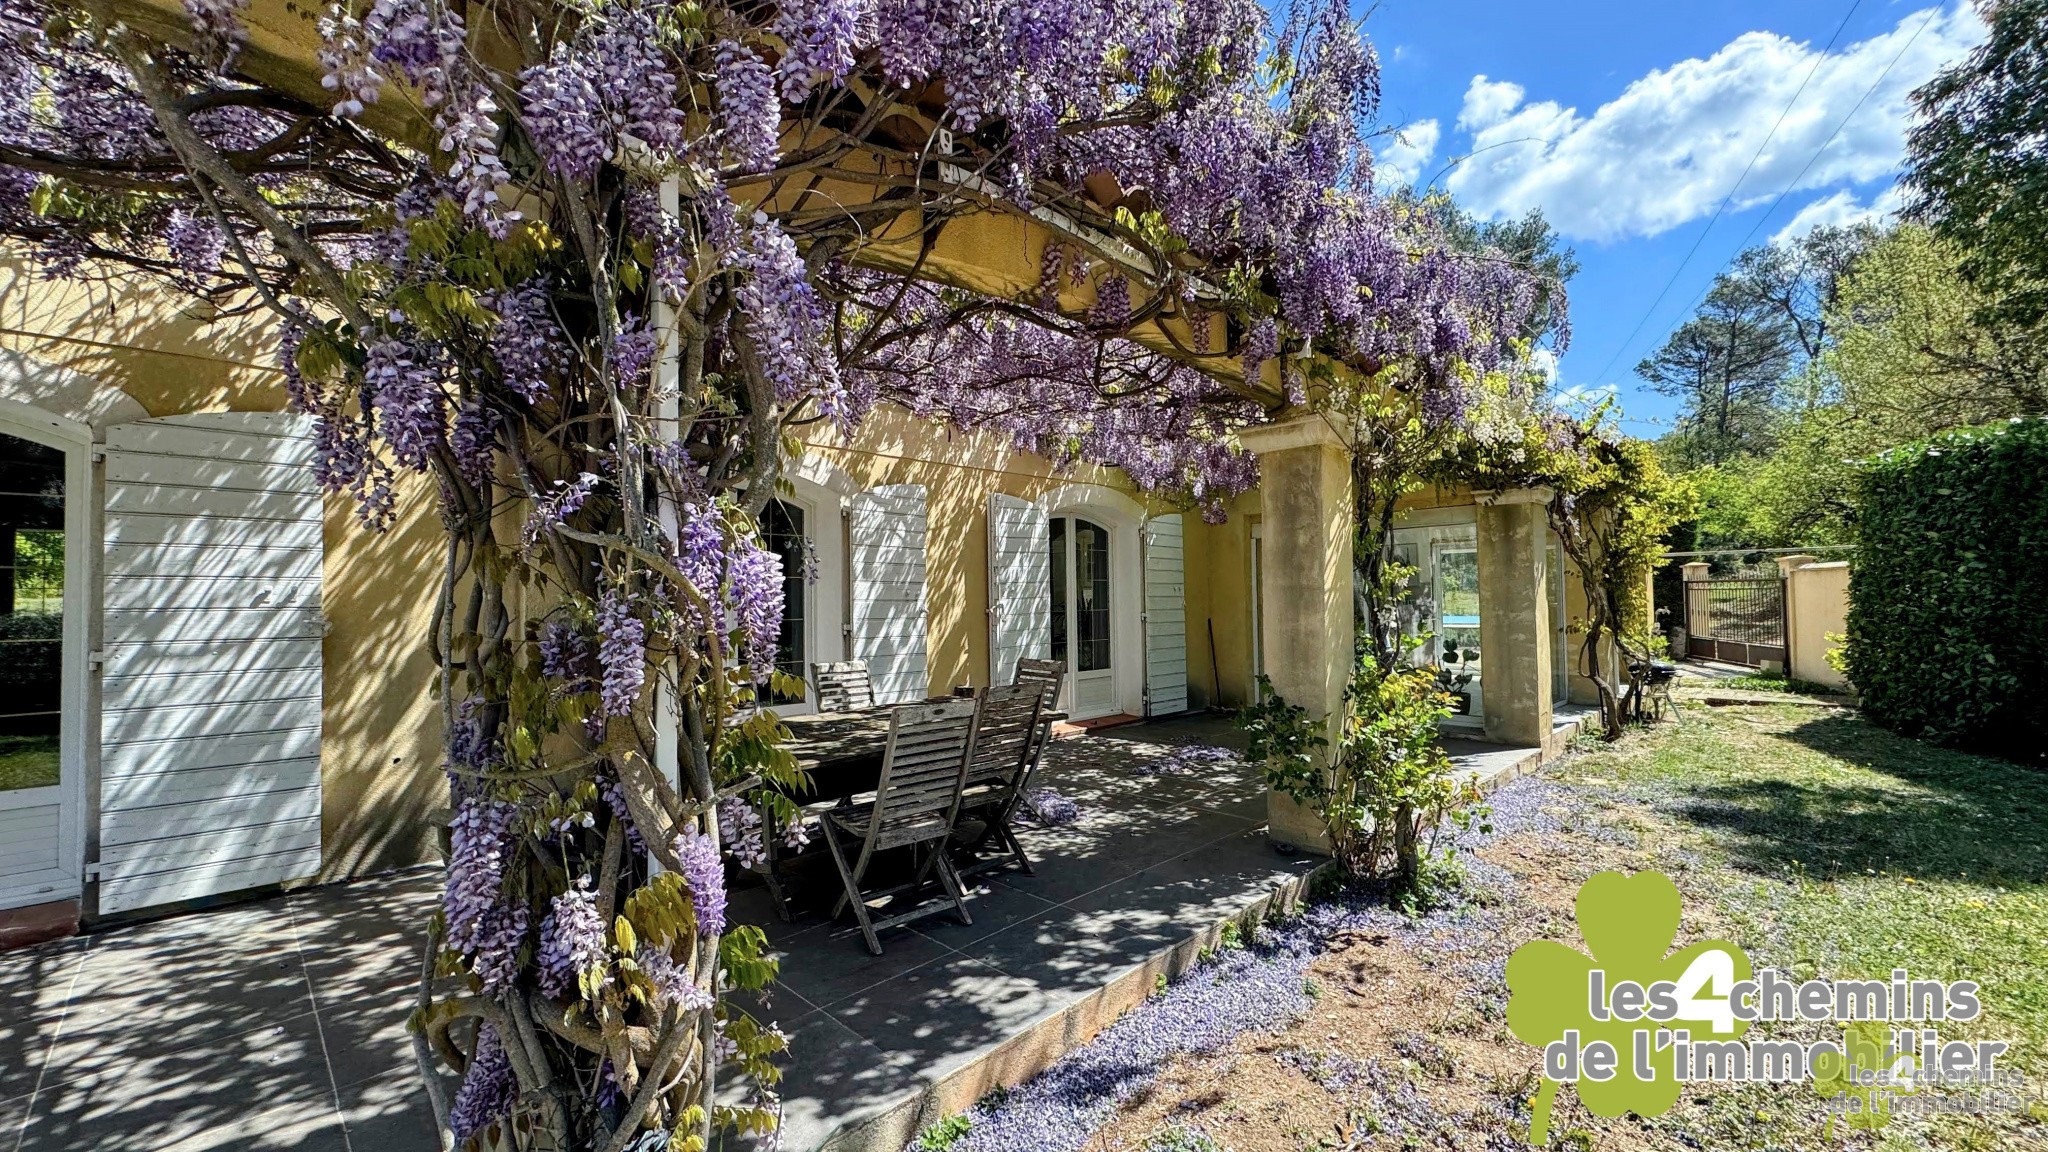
point(923, 768)
point(1046, 675)
point(843, 686)
point(1009, 726)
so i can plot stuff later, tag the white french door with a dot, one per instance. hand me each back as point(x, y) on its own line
point(1081, 617)
point(44, 489)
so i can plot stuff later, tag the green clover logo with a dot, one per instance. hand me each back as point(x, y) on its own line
point(1629, 923)
point(1866, 1050)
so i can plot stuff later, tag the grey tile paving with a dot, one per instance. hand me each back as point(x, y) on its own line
point(242, 1028)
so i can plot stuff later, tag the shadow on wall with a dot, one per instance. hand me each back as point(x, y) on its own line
point(381, 722)
point(381, 739)
point(1949, 814)
point(166, 351)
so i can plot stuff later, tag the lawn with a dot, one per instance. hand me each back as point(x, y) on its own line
point(1822, 845)
point(28, 762)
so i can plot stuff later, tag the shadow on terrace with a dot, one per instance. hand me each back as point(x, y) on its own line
point(280, 1023)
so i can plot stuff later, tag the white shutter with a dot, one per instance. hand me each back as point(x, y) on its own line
point(1166, 619)
point(1019, 585)
point(210, 689)
point(887, 543)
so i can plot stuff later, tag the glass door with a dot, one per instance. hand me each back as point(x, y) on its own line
point(1080, 611)
point(1456, 639)
point(37, 750)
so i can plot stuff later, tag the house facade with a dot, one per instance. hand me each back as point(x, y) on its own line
point(224, 683)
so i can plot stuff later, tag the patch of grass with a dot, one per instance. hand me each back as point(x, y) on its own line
point(1769, 682)
point(1842, 850)
point(1181, 1138)
point(944, 1134)
point(29, 762)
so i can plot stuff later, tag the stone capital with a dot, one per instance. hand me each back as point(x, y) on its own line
point(1490, 497)
point(1301, 430)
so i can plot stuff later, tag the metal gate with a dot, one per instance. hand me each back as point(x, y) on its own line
point(1736, 621)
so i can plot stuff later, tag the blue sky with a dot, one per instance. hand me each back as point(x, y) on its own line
point(1629, 123)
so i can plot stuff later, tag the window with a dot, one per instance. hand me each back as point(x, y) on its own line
point(1080, 594)
point(782, 531)
point(31, 613)
point(1091, 583)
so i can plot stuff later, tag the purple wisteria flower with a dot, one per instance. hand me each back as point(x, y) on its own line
point(566, 653)
point(739, 829)
point(218, 25)
point(557, 506)
point(572, 941)
point(404, 382)
point(633, 351)
point(473, 442)
point(821, 36)
point(671, 980)
point(483, 925)
point(1050, 808)
point(526, 342)
point(488, 1089)
point(621, 652)
point(704, 875)
point(749, 111)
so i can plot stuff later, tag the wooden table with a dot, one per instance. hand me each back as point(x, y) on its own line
point(844, 750)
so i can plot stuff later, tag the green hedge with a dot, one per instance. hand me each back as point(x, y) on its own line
point(1948, 593)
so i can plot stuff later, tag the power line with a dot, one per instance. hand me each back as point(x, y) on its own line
point(1768, 212)
point(1730, 198)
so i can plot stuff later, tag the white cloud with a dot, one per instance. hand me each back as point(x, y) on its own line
point(1400, 160)
point(1672, 145)
point(1585, 397)
point(1488, 102)
point(1841, 210)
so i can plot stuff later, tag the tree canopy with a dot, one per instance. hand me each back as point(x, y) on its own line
point(1978, 168)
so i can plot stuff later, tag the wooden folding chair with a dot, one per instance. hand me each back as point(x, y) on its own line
point(916, 805)
point(1048, 676)
point(999, 770)
point(843, 686)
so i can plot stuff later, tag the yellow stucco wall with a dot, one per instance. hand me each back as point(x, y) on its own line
point(959, 471)
point(380, 741)
point(1816, 604)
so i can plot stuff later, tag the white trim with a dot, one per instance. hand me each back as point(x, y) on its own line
point(825, 636)
point(1125, 518)
point(76, 703)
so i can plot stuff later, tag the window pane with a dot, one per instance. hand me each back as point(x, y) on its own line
point(782, 530)
point(1058, 605)
point(31, 612)
point(1091, 583)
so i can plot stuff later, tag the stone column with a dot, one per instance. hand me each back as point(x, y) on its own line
point(1306, 628)
point(1514, 615)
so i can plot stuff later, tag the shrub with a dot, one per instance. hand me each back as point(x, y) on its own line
point(1385, 790)
point(1948, 637)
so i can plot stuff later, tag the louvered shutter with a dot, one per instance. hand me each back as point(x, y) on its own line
point(1019, 585)
point(211, 681)
point(886, 539)
point(1166, 618)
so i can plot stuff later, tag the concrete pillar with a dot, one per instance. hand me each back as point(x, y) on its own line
point(1306, 629)
point(1514, 615)
point(1787, 565)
